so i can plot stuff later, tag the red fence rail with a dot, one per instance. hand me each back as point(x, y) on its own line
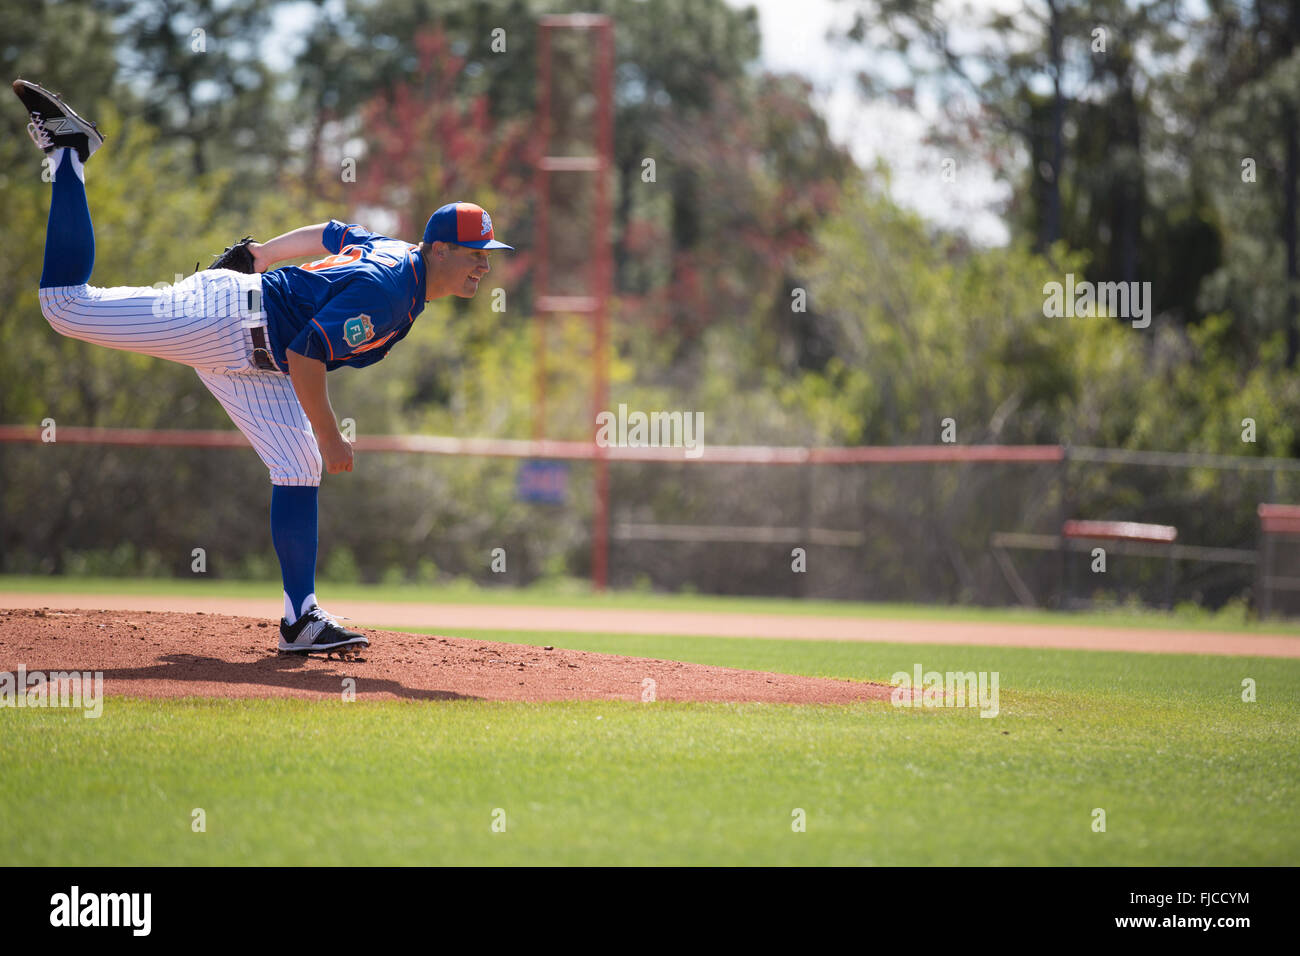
point(563, 450)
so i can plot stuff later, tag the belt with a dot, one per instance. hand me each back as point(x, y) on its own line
point(262, 350)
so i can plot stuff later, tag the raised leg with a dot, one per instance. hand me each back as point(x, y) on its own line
point(69, 234)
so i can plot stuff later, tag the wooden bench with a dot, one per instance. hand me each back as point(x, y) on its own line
point(1121, 531)
point(1148, 540)
point(1161, 534)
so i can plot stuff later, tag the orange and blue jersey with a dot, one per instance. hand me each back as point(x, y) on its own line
point(349, 308)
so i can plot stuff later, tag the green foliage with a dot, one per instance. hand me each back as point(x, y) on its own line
point(924, 331)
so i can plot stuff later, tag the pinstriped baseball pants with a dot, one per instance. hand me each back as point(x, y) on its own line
point(201, 322)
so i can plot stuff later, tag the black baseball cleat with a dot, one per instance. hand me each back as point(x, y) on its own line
point(317, 632)
point(54, 123)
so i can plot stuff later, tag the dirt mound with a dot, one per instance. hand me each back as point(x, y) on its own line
point(166, 654)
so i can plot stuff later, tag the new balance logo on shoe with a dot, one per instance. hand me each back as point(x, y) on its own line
point(54, 123)
point(318, 631)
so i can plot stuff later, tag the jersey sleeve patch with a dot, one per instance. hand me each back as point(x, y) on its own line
point(358, 330)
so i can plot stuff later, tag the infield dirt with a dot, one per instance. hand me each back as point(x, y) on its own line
point(168, 654)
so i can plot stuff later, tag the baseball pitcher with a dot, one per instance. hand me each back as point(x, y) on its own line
point(260, 341)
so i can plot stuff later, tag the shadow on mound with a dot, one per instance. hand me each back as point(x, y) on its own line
point(289, 672)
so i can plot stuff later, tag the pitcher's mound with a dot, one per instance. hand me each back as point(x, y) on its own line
point(158, 654)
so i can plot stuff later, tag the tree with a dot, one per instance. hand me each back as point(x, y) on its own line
point(1246, 100)
point(196, 70)
point(1074, 97)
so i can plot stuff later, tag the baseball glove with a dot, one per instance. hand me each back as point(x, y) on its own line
point(238, 257)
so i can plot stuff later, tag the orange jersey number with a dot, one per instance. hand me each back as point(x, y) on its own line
point(346, 257)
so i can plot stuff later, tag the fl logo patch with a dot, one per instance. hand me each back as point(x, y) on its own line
point(357, 330)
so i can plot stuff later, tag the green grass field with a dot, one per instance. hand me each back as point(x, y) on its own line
point(1186, 772)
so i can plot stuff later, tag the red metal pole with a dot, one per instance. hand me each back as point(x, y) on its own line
point(602, 285)
point(542, 252)
point(599, 258)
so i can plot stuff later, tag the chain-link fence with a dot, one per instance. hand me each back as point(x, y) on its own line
point(982, 532)
point(927, 531)
point(115, 511)
point(881, 532)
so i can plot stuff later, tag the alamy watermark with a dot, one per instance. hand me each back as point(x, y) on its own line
point(83, 690)
point(130, 910)
point(1085, 300)
point(217, 298)
point(651, 430)
point(922, 688)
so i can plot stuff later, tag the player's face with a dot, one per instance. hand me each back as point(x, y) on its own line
point(455, 270)
point(472, 266)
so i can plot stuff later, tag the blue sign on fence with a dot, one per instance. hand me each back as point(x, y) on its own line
point(543, 482)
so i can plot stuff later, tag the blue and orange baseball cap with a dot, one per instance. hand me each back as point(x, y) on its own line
point(465, 224)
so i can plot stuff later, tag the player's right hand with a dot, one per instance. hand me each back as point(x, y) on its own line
point(336, 454)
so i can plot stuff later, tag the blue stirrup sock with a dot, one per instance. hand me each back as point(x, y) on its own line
point(294, 534)
point(69, 237)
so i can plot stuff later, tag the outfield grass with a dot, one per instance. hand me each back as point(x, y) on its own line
point(576, 594)
point(1186, 772)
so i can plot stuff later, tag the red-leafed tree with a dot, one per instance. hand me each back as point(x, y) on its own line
point(750, 179)
point(427, 142)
